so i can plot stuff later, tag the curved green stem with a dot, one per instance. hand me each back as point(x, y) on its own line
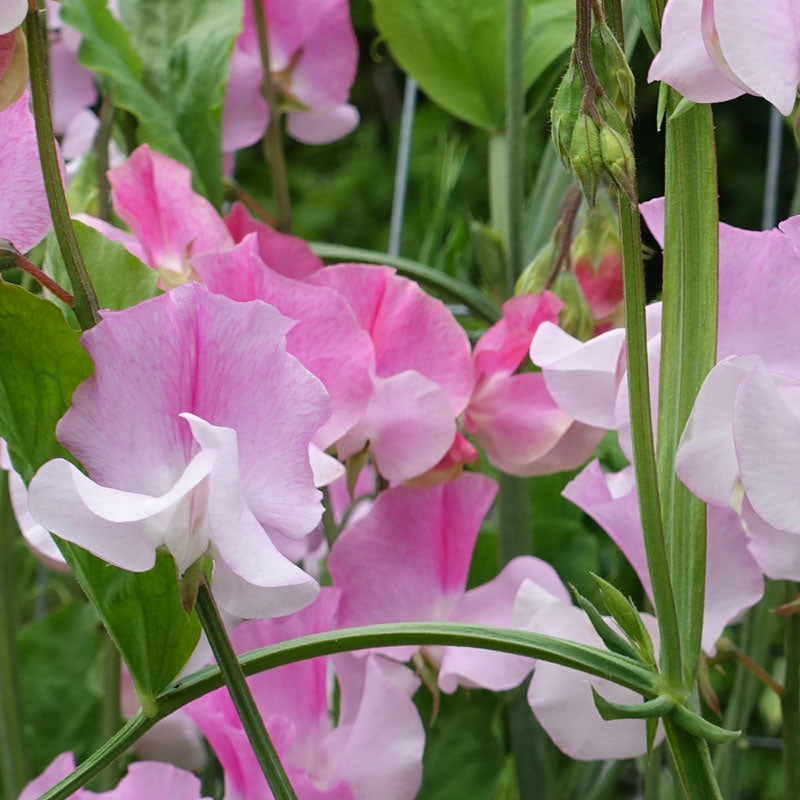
point(85, 307)
point(593, 660)
point(241, 695)
point(480, 305)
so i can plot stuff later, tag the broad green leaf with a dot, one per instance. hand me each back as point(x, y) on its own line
point(455, 49)
point(168, 65)
point(58, 656)
point(119, 278)
point(464, 750)
point(41, 364)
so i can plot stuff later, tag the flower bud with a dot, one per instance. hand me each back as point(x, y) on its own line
point(534, 277)
point(612, 70)
point(564, 113)
point(617, 157)
point(576, 316)
point(586, 156)
point(13, 67)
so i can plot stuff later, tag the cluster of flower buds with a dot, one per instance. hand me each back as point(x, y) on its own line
point(591, 115)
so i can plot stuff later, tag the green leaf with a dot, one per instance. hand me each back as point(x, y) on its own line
point(143, 614)
point(464, 750)
point(455, 49)
point(120, 279)
point(168, 65)
point(41, 364)
point(58, 656)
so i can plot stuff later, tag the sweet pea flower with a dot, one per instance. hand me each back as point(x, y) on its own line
point(714, 50)
point(512, 415)
point(376, 748)
point(194, 431)
point(313, 57)
point(12, 14)
point(24, 212)
point(408, 560)
point(151, 779)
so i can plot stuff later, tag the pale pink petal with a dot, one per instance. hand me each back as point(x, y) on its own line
point(791, 228)
point(408, 559)
point(153, 194)
point(326, 468)
point(154, 779)
point(493, 604)
point(71, 85)
point(777, 552)
point(582, 377)
point(59, 768)
point(322, 125)
point(408, 424)
point(515, 420)
point(505, 345)
point(761, 47)
point(289, 255)
point(379, 752)
point(766, 431)
point(24, 212)
point(684, 62)
point(79, 134)
point(561, 698)
point(410, 330)
point(246, 114)
point(706, 457)
point(12, 14)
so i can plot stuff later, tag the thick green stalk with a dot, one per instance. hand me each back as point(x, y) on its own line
point(85, 307)
point(790, 701)
point(110, 715)
point(458, 290)
point(692, 764)
point(13, 764)
point(498, 183)
point(515, 114)
point(241, 696)
point(688, 351)
point(644, 459)
point(273, 143)
point(592, 660)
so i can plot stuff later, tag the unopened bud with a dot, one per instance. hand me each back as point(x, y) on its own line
point(612, 70)
point(617, 159)
point(14, 78)
point(564, 113)
point(535, 276)
point(585, 155)
point(575, 317)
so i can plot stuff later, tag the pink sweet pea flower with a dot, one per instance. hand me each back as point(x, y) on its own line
point(408, 559)
point(714, 50)
point(513, 416)
point(313, 58)
point(374, 751)
point(151, 779)
point(24, 212)
point(194, 431)
point(422, 378)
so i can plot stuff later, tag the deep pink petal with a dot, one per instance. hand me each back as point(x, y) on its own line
point(408, 558)
point(153, 194)
point(684, 62)
point(410, 330)
point(288, 255)
point(493, 604)
point(582, 377)
point(561, 698)
point(24, 213)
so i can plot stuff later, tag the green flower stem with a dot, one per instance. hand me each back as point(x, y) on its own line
point(100, 144)
point(515, 133)
point(514, 508)
point(593, 660)
point(688, 350)
point(273, 143)
point(498, 183)
point(692, 763)
point(13, 765)
point(242, 698)
point(85, 307)
point(458, 290)
point(110, 714)
point(790, 701)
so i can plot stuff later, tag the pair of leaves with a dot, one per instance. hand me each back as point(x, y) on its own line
point(41, 364)
point(455, 49)
point(168, 65)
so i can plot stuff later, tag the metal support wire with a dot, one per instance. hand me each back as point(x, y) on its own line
point(769, 214)
point(401, 171)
